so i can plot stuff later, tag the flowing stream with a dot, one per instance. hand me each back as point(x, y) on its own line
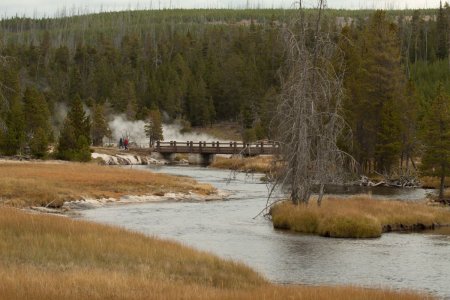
point(227, 228)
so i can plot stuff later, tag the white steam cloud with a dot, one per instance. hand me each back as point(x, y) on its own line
point(172, 132)
point(134, 131)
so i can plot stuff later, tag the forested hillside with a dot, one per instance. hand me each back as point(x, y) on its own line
point(205, 66)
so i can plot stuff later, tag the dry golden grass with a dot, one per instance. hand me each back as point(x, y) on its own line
point(27, 184)
point(257, 164)
point(47, 257)
point(356, 217)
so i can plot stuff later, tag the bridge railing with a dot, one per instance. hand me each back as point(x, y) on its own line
point(215, 144)
point(217, 147)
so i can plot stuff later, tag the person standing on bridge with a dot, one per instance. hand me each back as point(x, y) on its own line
point(125, 143)
point(120, 143)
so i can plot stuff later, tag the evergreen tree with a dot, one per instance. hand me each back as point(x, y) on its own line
point(75, 87)
point(99, 127)
point(355, 103)
point(12, 123)
point(436, 137)
point(37, 122)
point(74, 139)
point(124, 99)
point(13, 139)
point(385, 90)
point(442, 33)
point(39, 143)
point(153, 127)
point(410, 118)
point(199, 106)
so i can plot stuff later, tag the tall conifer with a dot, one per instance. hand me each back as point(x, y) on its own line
point(74, 139)
point(436, 137)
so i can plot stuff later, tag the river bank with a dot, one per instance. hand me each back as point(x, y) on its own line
point(64, 185)
point(33, 172)
point(38, 252)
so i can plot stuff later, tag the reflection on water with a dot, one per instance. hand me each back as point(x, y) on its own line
point(403, 261)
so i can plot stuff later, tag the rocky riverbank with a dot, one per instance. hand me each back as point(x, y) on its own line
point(72, 207)
point(127, 159)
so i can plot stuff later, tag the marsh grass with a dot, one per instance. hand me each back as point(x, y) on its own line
point(257, 164)
point(28, 184)
point(356, 217)
point(48, 257)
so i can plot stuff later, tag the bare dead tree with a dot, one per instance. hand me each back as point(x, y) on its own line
point(308, 122)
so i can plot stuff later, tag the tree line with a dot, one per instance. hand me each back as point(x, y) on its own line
point(210, 66)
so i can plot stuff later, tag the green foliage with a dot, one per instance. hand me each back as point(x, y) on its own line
point(39, 143)
point(74, 138)
point(99, 128)
point(436, 135)
point(206, 66)
point(153, 127)
point(443, 18)
point(12, 121)
point(378, 107)
point(13, 139)
point(37, 122)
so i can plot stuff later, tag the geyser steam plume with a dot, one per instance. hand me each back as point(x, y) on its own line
point(134, 130)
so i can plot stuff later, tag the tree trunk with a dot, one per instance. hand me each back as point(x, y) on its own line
point(442, 186)
point(321, 191)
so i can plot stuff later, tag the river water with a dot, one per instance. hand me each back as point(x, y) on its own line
point(227, 228)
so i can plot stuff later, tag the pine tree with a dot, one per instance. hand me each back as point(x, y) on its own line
point(39, 143)
point(153, 127)
point(76, 87)
point(436, 138)
point(199, 106)
point(99, 127)
point(442, 33)
point(37, 121)
point(385, 93)
point(12, 141)
point(74, 139)
point(12, 123)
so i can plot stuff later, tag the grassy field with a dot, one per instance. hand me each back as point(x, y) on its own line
point(257, 164)
point(357, 217)
point(47, 183)
point(48, 257)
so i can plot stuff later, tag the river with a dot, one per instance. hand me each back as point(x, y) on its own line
point(227, 228)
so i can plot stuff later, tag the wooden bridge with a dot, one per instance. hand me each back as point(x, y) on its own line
point(212, 148)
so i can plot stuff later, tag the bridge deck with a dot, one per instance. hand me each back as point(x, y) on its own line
point(217, 148)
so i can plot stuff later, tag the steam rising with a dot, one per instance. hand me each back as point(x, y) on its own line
point(134, 131)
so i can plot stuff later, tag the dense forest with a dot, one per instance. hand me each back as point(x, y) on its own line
point(207, 66)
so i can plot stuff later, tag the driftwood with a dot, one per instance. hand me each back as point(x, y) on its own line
point(404, 181)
